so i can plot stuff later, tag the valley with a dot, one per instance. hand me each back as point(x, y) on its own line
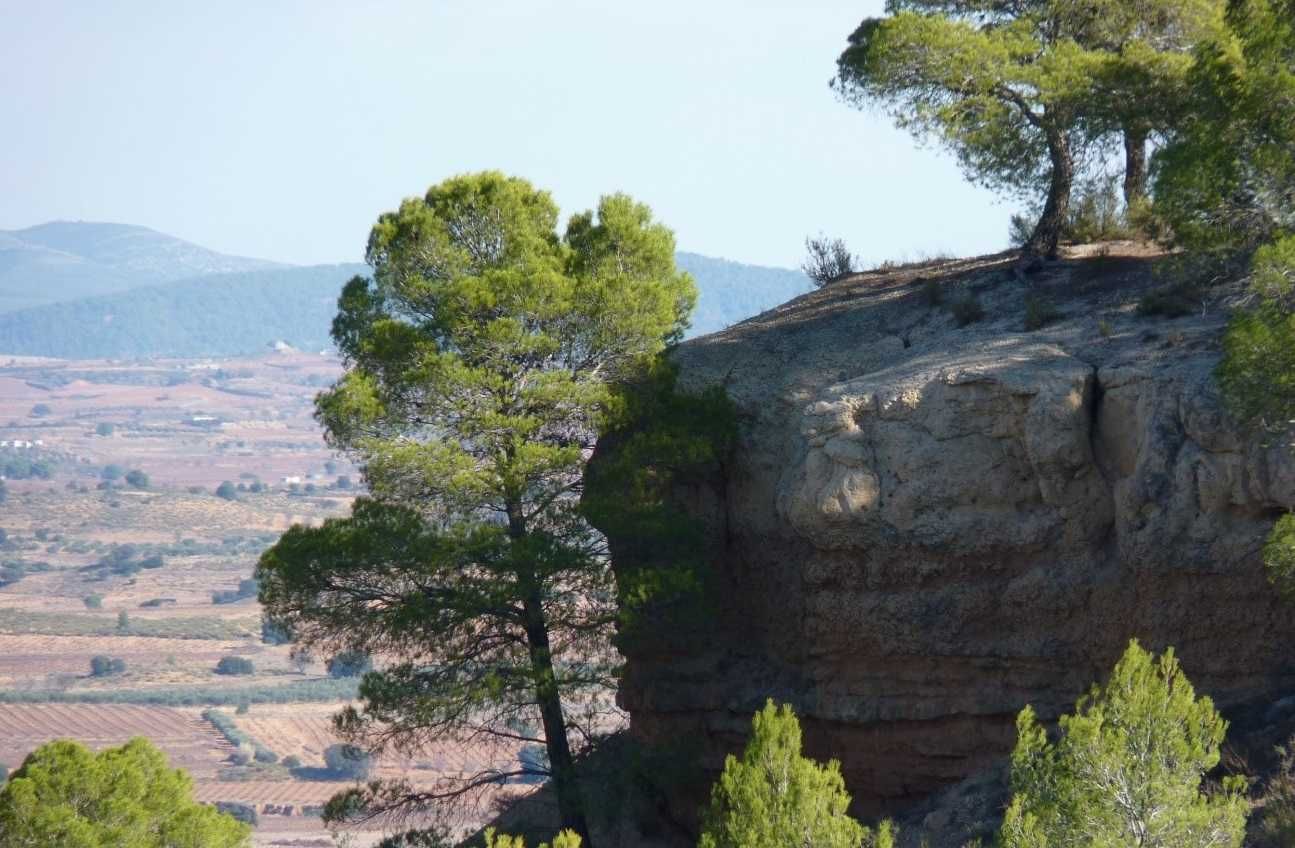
point(138, 496)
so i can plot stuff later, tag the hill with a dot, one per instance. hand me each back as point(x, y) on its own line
point(731, 291)
point(214, 315)
point(225, 314)
point(69, 260)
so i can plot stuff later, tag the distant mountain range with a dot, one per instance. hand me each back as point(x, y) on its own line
point(89, 291)
point(65, 260)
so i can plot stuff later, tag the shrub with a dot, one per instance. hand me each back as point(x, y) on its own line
point(1146, 730)
point(828, 261)
point(244, 707)
point(1279, 556)
point(1173, 301)
point(41, 410)
point(348, 761)
point(565, 839)
point(93, 602)
point(103, 428)
point(265, 755)
point(1276, 821)
point(227, 490)
point(273, 633)
point(112, 472)
point(235, 665)
point(773, 797)
point(349, 664)
point(292, 761)
point(123, 622)
point(1039, 312)
point(137, 479)
point(105, 666)
point(967, 310)
point(932, 292)
point(246, 589)
point(244, 813)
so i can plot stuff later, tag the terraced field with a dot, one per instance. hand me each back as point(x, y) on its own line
point(189, 742)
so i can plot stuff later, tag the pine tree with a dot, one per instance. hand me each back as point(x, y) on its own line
point(1126, 768)
point(773, 797)
point(481, 360)
point(66, 796)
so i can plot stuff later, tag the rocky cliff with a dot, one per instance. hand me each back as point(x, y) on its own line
point(926, 526)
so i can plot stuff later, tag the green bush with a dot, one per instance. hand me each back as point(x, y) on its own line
point(137, 479)
point(773, 797)
point(292, 761)
point(227, 490)
point(93, 602)
point(1279, 556)
point(1127, 767)
point(105, 666)
point(235, 666)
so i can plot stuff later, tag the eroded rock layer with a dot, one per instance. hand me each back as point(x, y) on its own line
point(925, 527)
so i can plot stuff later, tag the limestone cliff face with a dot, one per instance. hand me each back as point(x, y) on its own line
point(925, 527)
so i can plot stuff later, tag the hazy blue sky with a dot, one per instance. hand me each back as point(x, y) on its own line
point(282, 129)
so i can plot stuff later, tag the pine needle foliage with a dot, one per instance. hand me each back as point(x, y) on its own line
point(774, 797)
point(1127, 768)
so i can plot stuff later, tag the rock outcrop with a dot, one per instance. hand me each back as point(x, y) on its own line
point(925, 527)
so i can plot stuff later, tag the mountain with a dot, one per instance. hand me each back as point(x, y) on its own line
point(731, 291)
point(214, 315)
point(132, 304)
point(69, 260)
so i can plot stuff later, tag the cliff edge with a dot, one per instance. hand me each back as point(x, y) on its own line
point(925, 526)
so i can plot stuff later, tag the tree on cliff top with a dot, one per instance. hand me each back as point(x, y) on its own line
point(773, 797)
point(1127, 767)
point(66, 796)
point(1227, 178)
point(1019, 88)
point(479, 361)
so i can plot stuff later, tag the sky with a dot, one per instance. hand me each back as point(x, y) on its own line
point(281, 129)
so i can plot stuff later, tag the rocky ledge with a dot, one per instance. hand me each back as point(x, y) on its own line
point(925, 527)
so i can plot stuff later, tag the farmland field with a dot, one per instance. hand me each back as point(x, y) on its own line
point(114, 543)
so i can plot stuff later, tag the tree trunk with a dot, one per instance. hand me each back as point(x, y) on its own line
point(1047, 233)
point(561, 765)
point(1135, 165)
point(562, 768)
